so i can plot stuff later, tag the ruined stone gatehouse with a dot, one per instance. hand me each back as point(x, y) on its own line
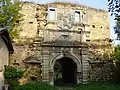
point(58, 35)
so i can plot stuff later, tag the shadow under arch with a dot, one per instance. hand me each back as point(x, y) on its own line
point(73, 58)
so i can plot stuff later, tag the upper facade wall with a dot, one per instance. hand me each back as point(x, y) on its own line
point(29, 22)
point(95, 20)
point(91, 20)
point(100, 24)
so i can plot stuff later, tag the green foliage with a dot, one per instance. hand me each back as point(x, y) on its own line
point(114, 8)
point(89, 86)
point(98, 86)
point(15, 33)
point(116, 53)
point(10, 15)
point(36, 86)
point(117, 27)
point(12, 75)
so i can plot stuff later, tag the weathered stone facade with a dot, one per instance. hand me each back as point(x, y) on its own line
point(42, 41)
point(96, 21)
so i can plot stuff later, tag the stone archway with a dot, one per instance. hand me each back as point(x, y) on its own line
point(65, 70)
point(76, 66)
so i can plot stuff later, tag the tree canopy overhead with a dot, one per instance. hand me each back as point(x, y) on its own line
point(10, 15)
point(114, 8)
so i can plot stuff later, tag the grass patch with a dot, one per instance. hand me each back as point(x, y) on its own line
point(36, 86)
point(98, 86)
point(89, 86)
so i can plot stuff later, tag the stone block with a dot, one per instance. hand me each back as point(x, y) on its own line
point(84, 57)
point(84, 52)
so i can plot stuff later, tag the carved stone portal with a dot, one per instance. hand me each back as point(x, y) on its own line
point(50, 60)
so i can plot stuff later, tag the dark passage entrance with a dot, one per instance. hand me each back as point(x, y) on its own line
point(65, 72)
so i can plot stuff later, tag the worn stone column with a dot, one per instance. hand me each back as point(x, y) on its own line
point(85, 64)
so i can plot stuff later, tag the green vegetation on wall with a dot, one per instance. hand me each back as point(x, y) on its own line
point(10, 16)
point(116, 53)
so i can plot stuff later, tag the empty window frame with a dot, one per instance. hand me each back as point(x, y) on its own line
point(51, 14)
point(77, 16)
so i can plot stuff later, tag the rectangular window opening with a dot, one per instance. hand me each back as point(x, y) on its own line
point(51, 14)
point(77, 16)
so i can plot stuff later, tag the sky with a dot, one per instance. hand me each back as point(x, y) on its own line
point(100, 4)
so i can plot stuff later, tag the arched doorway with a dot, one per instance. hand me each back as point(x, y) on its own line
point(65, 70)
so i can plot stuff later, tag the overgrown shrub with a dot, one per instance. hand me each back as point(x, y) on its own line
point(12, 75)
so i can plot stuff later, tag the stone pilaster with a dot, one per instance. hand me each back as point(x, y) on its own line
point(45, 65)
point(85, 64)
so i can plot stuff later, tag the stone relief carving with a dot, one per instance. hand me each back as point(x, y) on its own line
point(65, 19)
point(63, 37)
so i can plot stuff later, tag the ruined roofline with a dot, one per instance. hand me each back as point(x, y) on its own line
point(67, 3)
point(73, 4)
point(30, 2)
